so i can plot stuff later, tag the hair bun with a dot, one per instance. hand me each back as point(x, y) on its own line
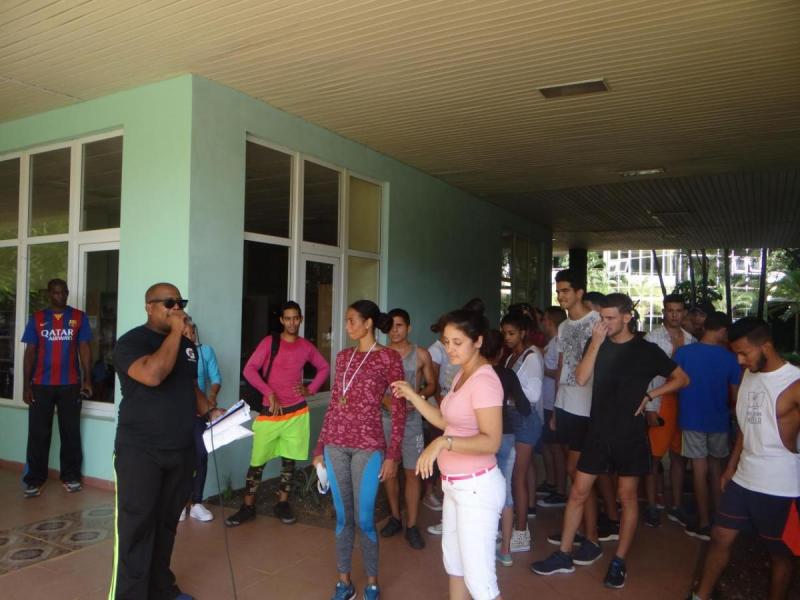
point(384, 322)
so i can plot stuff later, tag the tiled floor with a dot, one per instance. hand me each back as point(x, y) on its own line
point(59, 546)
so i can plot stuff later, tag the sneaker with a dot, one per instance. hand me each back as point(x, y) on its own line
point(372, 592)
point(555, 539)
point(701, 533)
point(244, 514)
point(652, 516)
point(531, 512)
point(678, 515)
point(557, 562)
point(72, 486)
point(344, 591)
point(587, 554)
point(182, 517)
point(393, 527)
point(545, 489)
point(31, 491)
point(414, 538)
point(615, 576)
point(283, 511)
point(504, 559)
point(521, 540)
point(432, 502)
point(201, 513)
point(552, 501)
point(607, 530)
point(435, 529)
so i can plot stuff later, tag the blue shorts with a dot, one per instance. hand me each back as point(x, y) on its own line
point(506, 456)
point(527, 430)
point(773, 518)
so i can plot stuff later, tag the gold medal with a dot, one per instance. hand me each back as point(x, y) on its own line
point(343, 400)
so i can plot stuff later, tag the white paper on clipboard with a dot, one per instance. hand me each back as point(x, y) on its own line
point(227, 428)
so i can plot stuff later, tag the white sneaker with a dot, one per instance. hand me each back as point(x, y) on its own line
point(435, 529)
point(183, 515)
point(432, 502)
point(201, 513)
point(521, 540)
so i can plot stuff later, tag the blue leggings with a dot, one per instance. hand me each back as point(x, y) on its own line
point(353, 474)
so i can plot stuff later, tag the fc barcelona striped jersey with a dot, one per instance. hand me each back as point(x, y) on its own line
point(56, 336)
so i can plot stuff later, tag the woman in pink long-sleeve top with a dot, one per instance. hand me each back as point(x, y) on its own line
point(352, 443)
point(283, 428)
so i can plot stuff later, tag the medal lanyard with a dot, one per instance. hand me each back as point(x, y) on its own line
point(346, 386)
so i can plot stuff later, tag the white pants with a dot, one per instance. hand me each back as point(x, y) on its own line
point(469, 527)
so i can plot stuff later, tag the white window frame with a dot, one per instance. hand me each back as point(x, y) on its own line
point(74, 238)
point(300, 251)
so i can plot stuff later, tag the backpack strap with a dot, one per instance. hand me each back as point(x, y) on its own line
point(276, 345)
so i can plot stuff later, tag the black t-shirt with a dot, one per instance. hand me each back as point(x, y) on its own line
point(162, 416)
point(622, 374)
point(514, 397)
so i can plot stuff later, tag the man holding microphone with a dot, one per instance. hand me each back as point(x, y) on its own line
point(154, 447)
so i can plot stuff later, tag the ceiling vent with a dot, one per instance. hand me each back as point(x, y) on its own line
point(574, 89)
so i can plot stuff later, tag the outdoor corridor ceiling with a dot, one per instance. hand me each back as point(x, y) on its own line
point(709, 91)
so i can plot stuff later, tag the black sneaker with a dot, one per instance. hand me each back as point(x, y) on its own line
point(652, 517)
point(553, 500)
point(678, 515)
point(555, 539)
point(31, 491)
point(244, 514)
point(587, 554)
point(414, 538)
point(545, 489)
point(607, 530)
point(393, 527)
point(701, 533)
point(557, 562)
point(615, 576)
point(284, 512)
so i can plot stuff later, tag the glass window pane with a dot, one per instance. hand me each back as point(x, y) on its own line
point(364, 220)
point(8, 295)
point(318, 312)
point(45, 262)
point(102, 274)
point(9, 198)
point(49, 211)
point(362, 279)
point(320, 205)
point(264, 289)
point(102, 184)
point(267, 191)
point(519, 267)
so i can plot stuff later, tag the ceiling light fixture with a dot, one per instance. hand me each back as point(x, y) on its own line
point(575, 88)
point(641, 172)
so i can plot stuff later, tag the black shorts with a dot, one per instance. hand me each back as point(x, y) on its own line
point(626, 456)
point(571, 429)
point(773, 518)
point(548, 435)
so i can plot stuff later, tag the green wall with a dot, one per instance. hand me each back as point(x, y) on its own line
point(183, 215)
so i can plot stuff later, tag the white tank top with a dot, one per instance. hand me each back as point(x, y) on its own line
point(766, 465)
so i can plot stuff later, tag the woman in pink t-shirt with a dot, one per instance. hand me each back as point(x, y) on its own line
point(474, 488)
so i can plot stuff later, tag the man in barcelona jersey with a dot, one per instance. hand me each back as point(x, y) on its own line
point(57, 367)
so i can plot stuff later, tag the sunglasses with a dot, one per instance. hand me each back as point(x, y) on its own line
point(171, 302)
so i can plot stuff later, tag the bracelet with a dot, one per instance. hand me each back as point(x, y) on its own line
point(648, 396)
point(449, 439)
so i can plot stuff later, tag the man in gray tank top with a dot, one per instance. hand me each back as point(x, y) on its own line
point(761, 486)
point(418, 368)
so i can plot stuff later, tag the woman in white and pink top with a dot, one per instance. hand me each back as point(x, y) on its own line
point(474, 489)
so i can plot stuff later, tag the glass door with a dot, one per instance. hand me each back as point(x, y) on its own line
point(320, 294)
point(98, 277)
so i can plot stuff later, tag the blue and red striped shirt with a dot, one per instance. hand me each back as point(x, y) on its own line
point(56, 336)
